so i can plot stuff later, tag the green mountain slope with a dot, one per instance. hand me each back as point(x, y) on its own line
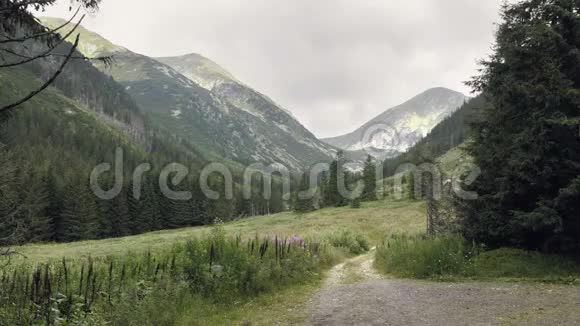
point(229, 121)
point(50, 145)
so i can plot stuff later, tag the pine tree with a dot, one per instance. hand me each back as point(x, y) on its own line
point(370, 180)
point(410, 185)
point(54, 208)
point(323, 190)
point(527, 142)
point(222, 207)
point(355, 202)
point(337, 177)
point(34, 210)
point(120, 215)
point(80, 212)
point(9, 227)
point(304, 205)
point(148, 215)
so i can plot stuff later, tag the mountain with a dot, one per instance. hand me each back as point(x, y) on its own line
point(397, 129)
point(229, 90)
point(446, 136)
point(201, 103)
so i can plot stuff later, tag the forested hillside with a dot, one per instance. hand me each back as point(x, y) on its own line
point(50, 145)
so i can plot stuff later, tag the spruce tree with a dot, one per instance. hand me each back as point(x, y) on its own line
point(355, 202)
point(8, 198)
point(304, 205)
point(34, 210)
point(79, 212)
point(370, 180)
point(54, 208)
point(527, 143)
point(337, 176)
point(411, 185)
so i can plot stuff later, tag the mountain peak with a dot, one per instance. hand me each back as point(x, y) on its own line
point(439, 90)
point(407, 123)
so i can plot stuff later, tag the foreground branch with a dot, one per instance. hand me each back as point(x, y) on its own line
point(47, 83)
point(49, 32)
point(48, 52)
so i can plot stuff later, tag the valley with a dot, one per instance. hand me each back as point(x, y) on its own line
point(351, 292)
point(143, 183)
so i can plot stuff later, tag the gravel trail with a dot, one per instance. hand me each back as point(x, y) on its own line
point(355, 294)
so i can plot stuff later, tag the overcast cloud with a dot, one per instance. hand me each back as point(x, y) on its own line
point(334, 63)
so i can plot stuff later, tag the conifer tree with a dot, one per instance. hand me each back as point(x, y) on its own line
point(34, 211)
point(54, 208)
point(355, 202)
point(527, 144)
point(410, 179)
point(337, 176)
point(8, 199)
point(79, 212)
point(304, 205)
point(370, 180)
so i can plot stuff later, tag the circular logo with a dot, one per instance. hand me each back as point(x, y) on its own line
point(381, 139)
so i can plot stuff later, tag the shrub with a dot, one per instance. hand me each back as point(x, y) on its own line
point(355, 244)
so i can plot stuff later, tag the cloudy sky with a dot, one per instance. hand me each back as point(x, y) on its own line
point(334, 63)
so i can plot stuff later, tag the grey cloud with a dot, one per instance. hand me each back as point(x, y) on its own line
point(334, 63)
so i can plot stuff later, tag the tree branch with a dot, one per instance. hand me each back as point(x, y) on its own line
point(107, 60)
point(17, 4)
point(47, 83)
point(46, 53)
point(46, 33)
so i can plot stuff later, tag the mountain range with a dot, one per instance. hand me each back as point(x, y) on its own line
point(219, 117)
point(183, 109)
point(202, 103)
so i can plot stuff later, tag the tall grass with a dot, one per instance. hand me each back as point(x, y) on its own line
point(230, 269)
point(423, 257)
point(450, 257)
point(157, 289)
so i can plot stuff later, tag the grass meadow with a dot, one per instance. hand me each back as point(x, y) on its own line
point(374, 220)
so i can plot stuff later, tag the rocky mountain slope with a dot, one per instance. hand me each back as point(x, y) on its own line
point(198, 101)
point(397, 129)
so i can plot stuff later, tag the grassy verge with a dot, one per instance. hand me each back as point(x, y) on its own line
point(450, 258)
point(188, 277)
point(208, 279)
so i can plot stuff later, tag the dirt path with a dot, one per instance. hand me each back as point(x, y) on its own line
point(355, 294)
